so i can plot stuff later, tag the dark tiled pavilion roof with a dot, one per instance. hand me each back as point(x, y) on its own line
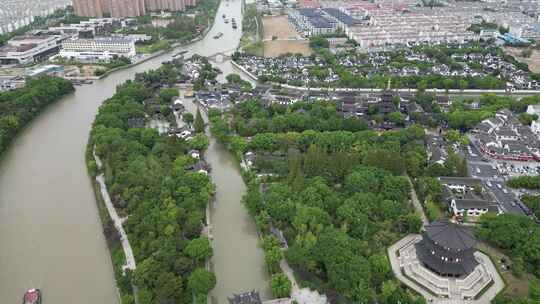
point(450, 235)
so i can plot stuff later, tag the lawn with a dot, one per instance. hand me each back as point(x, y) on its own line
point(154, 47)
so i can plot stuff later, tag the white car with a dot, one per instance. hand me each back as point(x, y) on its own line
point(499, 186)
point(489, 184)
point(505, 191)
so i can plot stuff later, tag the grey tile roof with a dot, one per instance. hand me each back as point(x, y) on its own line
point(450, 235)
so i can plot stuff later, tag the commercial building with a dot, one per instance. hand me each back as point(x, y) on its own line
point(472, 207)
point(29, 49)
point(86, 29)
point(98, 49)
point(504, 137)
point(127, 8)
point(466, 196)
point(50, 69)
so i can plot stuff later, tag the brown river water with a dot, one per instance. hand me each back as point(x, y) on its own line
point(50, 233)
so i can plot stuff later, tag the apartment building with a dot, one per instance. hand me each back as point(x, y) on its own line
point(412, 28)
point(312, 21)
point(171, 5)
point(88, 8)
point(127, 8)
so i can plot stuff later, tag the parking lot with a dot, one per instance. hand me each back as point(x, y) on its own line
point(490, 172)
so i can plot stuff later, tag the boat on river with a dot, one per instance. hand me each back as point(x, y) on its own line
point(218, 36)
point(32, 296)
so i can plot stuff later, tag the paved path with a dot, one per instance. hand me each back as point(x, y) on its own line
point(416, 203)
point(128, 252)
point(301, 295)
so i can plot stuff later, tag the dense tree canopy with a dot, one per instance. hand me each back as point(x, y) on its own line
point(527, 182)
point(20, 106)
point(146, 177)
point(338, 235)
point(518, 235)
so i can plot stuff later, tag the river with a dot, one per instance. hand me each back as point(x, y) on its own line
point(50, 233)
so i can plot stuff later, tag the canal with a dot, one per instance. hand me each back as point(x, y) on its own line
point(50, 233)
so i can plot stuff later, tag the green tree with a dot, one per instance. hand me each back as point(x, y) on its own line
point(199, 249)
point(238, 145)
point(166, 95)
point(397, 117)
point(414, 223)
point(318, 42)
point(273, 256)
point(187, 118)
point(463, 84)
point(199, 122)
point(199, 142)
point(281, 285)
point(201, 281)
point(168, 288)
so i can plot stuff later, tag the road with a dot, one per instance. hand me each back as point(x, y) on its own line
point(465, 93)
point(483, 168)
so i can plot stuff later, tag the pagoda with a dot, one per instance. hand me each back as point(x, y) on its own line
point(447, 249)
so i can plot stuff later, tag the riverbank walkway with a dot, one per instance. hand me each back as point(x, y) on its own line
point(128, 252)
point(301, 295)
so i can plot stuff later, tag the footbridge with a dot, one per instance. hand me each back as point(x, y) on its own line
point(222, 56)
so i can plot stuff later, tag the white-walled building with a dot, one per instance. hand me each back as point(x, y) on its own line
point(98, 49)
point(534, 110)
point(473, 207)
point(29, 49)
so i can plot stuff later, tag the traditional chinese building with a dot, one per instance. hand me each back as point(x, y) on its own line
point(447, 249)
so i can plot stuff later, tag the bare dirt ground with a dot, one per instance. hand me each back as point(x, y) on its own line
point(288, 40)
point(279, 47)
point(533, 61)
point(278, 26)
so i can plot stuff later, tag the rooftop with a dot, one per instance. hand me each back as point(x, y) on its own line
point(450, 235)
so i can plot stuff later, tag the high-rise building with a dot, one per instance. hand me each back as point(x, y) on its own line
point(88, 8)
point(171, 5)
point(127, 8)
